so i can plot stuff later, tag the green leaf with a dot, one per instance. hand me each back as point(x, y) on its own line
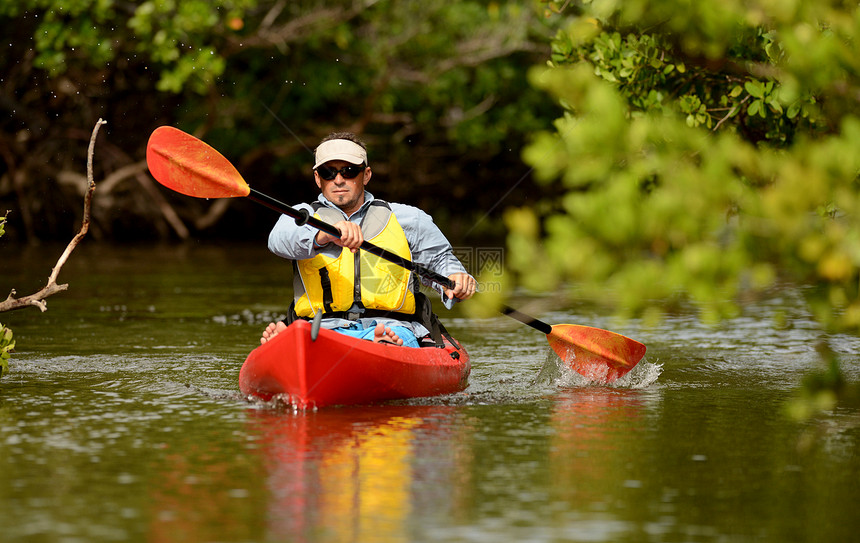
point(6, 346)
point(754, 88)
point(754, 107)
point(793, 110)
point(775, 106)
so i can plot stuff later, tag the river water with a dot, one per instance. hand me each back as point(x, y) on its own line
point(121, 420)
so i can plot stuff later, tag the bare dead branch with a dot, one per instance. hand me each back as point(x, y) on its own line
point(488, 51)
point(164, 206)
point(289, 32)
point(730, 113)
point(270, 17)
point(270, 33)
point(112, 180)
point(215, 212)
point(38, 299)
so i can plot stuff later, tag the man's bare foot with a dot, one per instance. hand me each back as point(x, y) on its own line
point(272, 330)
point(383, 334)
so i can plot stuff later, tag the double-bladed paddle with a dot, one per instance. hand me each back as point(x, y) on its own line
point(183, 163)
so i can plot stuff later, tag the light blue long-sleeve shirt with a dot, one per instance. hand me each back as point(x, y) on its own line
point(428, 246)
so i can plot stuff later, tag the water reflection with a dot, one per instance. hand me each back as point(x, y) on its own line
point(352, 474)
point(197, 495)
point(591, 445)
point(121, 421)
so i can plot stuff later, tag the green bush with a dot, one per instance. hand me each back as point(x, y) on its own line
point(6, 346)
point(706, 150)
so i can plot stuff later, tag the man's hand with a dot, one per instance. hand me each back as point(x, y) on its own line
point(464, 286)
point(350, 236)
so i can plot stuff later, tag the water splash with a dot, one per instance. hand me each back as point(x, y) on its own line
point(643, 375)
point(557, 374)
point(281, 402)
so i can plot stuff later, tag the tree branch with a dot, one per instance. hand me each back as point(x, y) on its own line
point(38, 299)
point(731, 111)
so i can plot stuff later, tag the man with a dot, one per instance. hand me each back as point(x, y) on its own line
point(386, 306)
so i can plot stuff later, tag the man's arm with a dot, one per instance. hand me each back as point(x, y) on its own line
point(288, 240)
point(431, 248)
point(294, 242)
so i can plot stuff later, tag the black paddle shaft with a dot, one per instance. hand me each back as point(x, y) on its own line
point(527, 319)
point(303, 217)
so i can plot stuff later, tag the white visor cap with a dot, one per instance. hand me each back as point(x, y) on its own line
point(339, 150)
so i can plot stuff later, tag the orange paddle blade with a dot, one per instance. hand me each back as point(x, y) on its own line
point(599, 355)
point(181, 162)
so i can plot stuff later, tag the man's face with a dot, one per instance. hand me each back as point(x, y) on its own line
point(347, 194)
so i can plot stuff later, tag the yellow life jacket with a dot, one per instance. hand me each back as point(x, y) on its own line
point(349, 282)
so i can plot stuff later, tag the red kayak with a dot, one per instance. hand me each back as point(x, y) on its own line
point(339, 369)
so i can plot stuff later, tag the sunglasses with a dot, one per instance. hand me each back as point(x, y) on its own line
point(347, 172)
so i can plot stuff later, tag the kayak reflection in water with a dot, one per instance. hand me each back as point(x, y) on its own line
point(385, 305)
